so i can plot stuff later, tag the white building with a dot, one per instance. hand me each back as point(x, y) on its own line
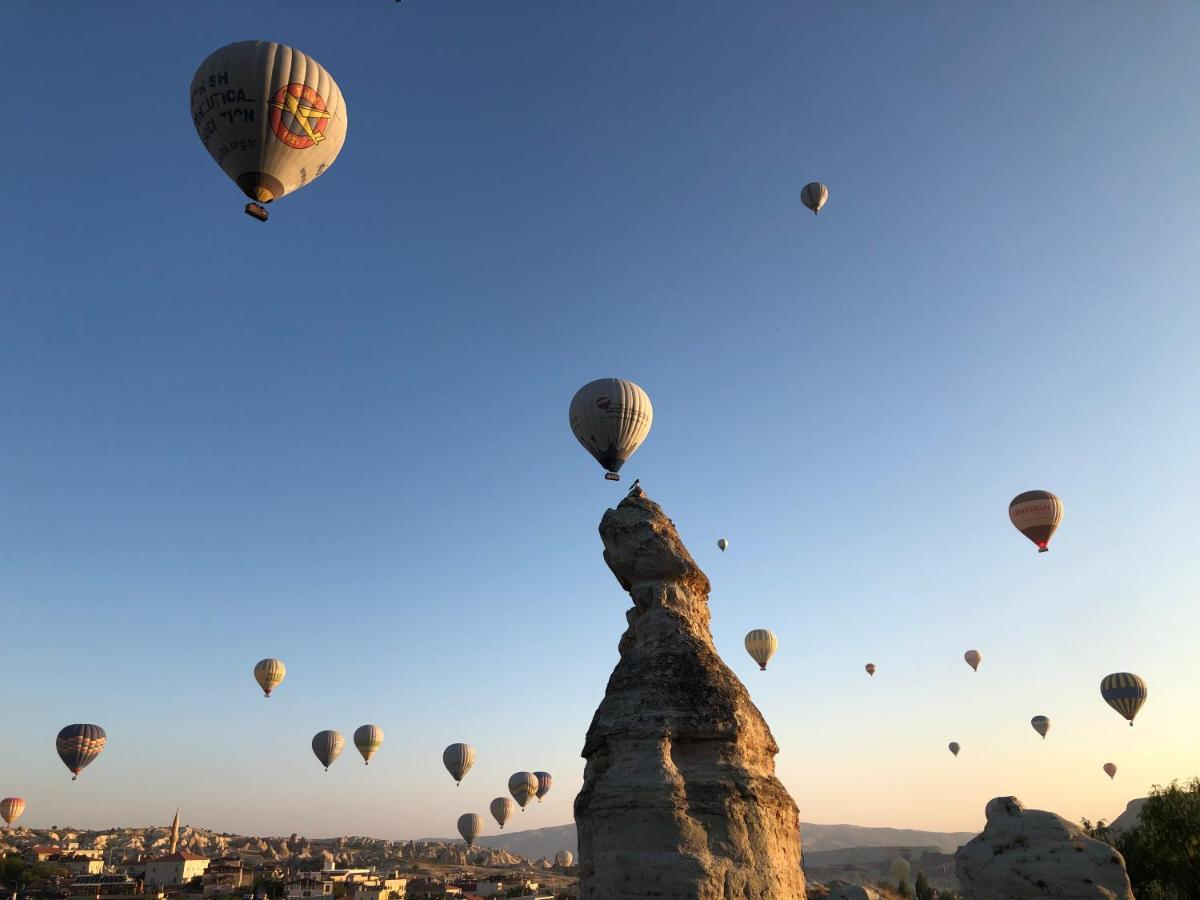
point(174, 868)
point(308, 889)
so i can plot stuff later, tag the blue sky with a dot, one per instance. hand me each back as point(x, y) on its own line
point(340, 438)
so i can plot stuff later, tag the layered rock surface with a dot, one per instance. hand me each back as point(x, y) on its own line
point(1030, 853)
point(680, 798)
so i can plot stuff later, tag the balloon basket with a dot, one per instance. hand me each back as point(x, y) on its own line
point(611, 476)
point(256, 212)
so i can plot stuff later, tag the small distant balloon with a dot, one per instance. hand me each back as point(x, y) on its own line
point(458, 759)
point(564, 858)
point(611, 417)
point(973, 658)
point(269, 673)
point(523, 786)
point(1041, 725)
point(1110, 770)
point(814, 195)
point(469, 826)
point(79, 745)
point(954, 748)
point(327, 745)
point(1036, 514)
point(761, 645)
point(870, 667)
point(545, 780)
point(722, 545)
point(502, 809)
point(368, 739)
point(1124, 692)
point(11, 809)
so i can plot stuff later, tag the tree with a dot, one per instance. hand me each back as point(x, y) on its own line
point(922, 889)
point(1162, 854)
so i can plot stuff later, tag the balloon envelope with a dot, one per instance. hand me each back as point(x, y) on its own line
point(545, 780)
point(270, 116)
point(368, 739)
point(870, 667)
point(458, 759)
point(813, 195)
point(78, 745)
point(11, 809)
point(1036, 514)
point(761, 645)
point(973, 658)
point(523, 786)
point(722, 545)
point(502, 808)
point(327, 745)
point(1041, 725)
point(1110, 770)
point(611, 417)
point(954, 748)
point(469, 825)
point(564, 858)
point(269, 673)
point(1124, 692)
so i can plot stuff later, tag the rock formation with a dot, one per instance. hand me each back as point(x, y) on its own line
point(842, 890)
point(679, 798)
point(1036, 854)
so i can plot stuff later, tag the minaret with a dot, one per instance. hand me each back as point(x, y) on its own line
point(175, 832)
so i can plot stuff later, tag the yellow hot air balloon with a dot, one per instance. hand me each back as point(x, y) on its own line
point(564, 858)
point(270, 116)
point(973, 658)
point(1110, 770)
point(469, 826)
point(1041, 725)
point(458, 759)
point(761, 645)
point(610, 418)
point(1036, 514)
point(269, 673)
point(368, 739)
point(870, 667)
point(814, 195)
point(954, 748)
point(502, 809)
point(524, 787)
point(11, 809)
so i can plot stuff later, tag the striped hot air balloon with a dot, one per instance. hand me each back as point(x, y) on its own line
point(368, 739)
point(1036, 514)
point(564, 858)
point(1041, 725)
point(973, 658)
point(545, 780)
point(502, 809)
point(1124, 692)
point(469, 826)
point(327, 745)
point(269, 673)
point(813, 195)
point(954, 748)
point(611, 417)
point(870, 667)
point(1110, 770)
point(761, 645)
point(458, 759)
point(78, 745)
point(11, 809)
point(523, 786)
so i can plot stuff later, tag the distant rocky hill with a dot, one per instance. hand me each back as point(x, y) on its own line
point(1130, 818)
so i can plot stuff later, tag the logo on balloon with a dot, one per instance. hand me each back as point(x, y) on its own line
point(298, 116)
point(603, 402)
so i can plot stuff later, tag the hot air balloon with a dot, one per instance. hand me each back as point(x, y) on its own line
point(814, 195)
point(1036, 514)
point(545, 779)
point(523, 786)
point(954, 748)
point(1110, 770)
point(722, 545)
point(78, 745)
point(900, 869)
point(870, 667)
point(458, 759)
point(469, 825)
point(11, 809)
point(269, 673)
point(973, 658)
point(611, 417)
point(1124, 692)
point(761, 645)
point(564, 858)
point(502, 809)
point(1041, 725)
point(271, 117)
point(368, 739)
point(328, 746)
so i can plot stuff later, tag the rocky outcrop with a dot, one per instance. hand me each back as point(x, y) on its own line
point(842, 890)
point(680, 798)
point(1131, 818)
point(1029, 853)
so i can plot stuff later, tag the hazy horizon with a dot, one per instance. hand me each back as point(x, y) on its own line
point(340, 438)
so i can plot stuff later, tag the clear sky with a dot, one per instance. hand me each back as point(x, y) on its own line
point(341, 438)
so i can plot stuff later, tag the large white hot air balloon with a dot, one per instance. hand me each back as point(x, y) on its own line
point(564, 858)
point(270, 116)
point(458, 759)
point(610, 418)
point(761, 645)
